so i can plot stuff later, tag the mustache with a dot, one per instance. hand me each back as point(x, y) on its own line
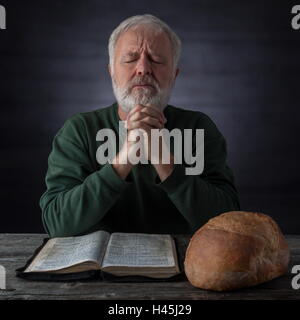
point(143, 80)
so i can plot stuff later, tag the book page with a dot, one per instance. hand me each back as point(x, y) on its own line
point(139, 250)
point(64, 252)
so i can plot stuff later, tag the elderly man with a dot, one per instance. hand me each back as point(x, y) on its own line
point(120, 196)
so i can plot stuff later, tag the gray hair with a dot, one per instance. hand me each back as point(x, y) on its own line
point(144, 20)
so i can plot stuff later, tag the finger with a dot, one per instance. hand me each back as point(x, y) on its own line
point(153, 122)
point(154, 112)
point(139, 125)
point(138, 115)
point(135, 109)
point(132, 111)
point(149, 109)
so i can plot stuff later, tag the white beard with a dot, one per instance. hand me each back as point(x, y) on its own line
point(143, 96)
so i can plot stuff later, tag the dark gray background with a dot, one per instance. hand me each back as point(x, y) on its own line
point(240, 65)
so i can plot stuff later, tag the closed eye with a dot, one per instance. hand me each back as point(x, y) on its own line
point(133, 60)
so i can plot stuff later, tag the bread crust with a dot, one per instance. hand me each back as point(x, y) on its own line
point(234, 250)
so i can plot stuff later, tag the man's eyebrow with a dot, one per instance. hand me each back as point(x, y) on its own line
point(133, 54)
point(130, 54)
point(157, 56)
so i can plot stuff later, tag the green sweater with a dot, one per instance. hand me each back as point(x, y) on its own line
point(83, 196)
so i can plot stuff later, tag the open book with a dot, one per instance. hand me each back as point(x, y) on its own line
point(119, 254)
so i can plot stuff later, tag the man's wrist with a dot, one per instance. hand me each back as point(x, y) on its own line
point(122, 169)
point(164, 170)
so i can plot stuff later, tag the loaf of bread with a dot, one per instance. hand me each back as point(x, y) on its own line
point(234, 250)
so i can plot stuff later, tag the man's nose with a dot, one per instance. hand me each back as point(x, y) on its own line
point(143, 66)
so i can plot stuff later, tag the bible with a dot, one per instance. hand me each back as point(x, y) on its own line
point(109, 255)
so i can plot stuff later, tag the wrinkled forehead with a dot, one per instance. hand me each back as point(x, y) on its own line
point(144, 37)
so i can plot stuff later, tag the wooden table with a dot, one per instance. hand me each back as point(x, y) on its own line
point(15, 249)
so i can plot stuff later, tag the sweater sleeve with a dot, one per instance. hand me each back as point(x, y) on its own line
point(77, 196)
point(201, 197)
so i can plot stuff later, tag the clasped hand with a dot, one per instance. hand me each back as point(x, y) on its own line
point(139, 122)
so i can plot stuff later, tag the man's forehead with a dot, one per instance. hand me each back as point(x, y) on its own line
point(133, 40)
